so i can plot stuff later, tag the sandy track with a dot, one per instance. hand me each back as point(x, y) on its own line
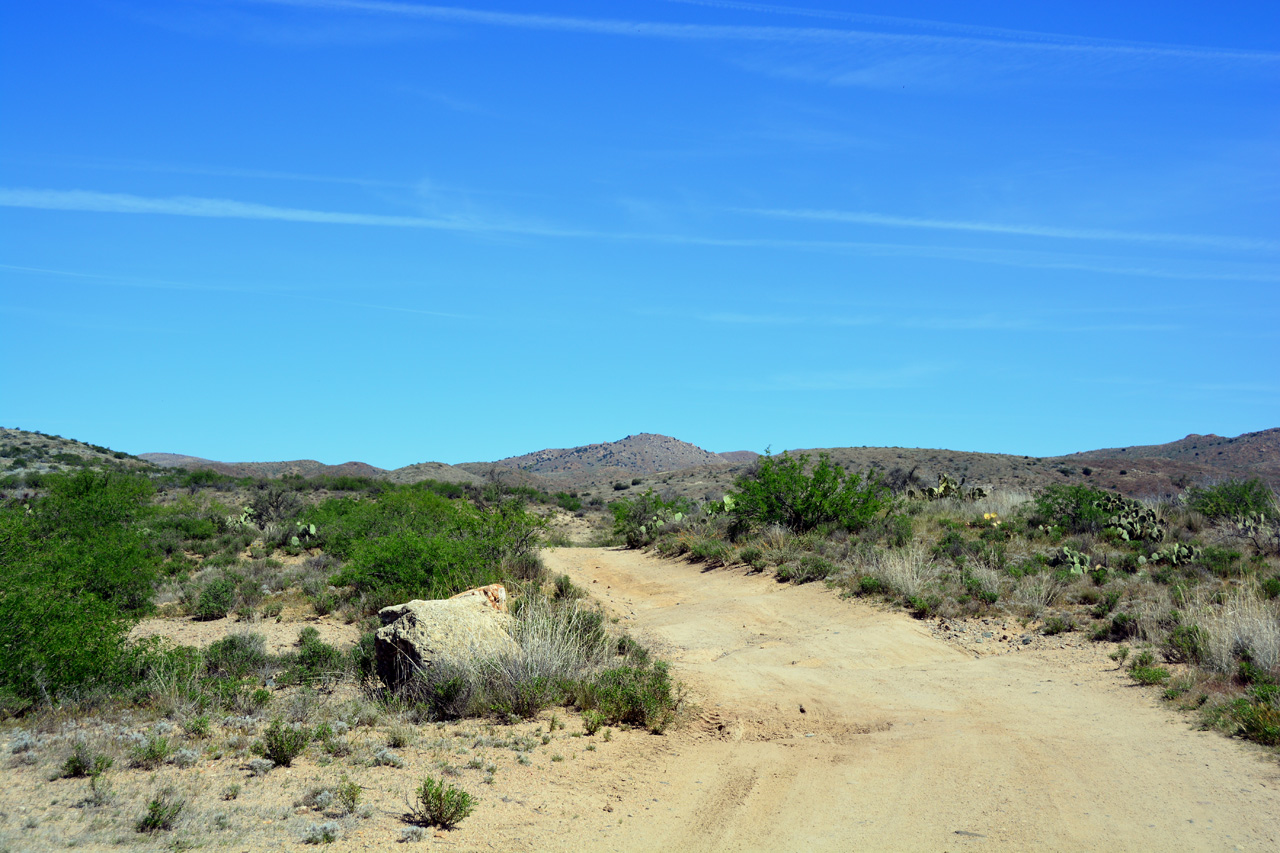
point(832, 725)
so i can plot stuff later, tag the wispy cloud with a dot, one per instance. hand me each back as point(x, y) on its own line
point(978, 36)
point(858, 379)
point(398, 309)
point(214, 208)
point(131, 281)
point(154, 284)
point(1002, 322)
point(887, 220)
point(1003, 34)
point(221, 208)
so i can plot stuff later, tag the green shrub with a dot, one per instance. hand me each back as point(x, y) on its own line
point(83, 761)
point(1057, 625)
point(592, 721)
point(216, 599)
point(1233, 498)
point(1149, 675)
point(362, 657)
point(411, 543)
point(567, 501)
point(781, 491)
point(1259, 722)
point(440, 804)
point(1122, 627)
point(162, 812)
point(868, 585)
point(566, 590)
point(1185, 644)
point(1073, 509)
point(78, 570)
point(810, 568)
point(236, 655)
point(1223, 562)
point(282, 743)
point(150, 754)
point(637, 695)
point(314, 659)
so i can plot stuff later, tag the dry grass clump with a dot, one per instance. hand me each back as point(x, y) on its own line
point(1244, 626)
point(907, 571)
point(1033, 594)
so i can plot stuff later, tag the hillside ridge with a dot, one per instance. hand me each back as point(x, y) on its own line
point(670, 464)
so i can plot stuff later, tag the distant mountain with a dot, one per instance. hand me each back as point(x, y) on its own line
point(635, 455)
point(670, 465)
point(296, 467)
point(1150, 471)
point(1251, 454)
point(431, 471)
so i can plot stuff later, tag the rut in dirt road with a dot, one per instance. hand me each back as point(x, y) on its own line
point(827, 724)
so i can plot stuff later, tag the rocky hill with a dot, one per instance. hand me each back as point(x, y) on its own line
point(23, 452)
point(1252, 454)
point(1149, 471)
point(609, 469)
point(635, 455)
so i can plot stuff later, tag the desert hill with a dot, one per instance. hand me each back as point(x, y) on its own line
point(1251, 454)
point(669, 464)
point(1148, 471)
point(293, 468)
point(23, 451)
point(645, 453)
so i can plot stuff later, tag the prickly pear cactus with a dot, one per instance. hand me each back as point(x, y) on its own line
point(947, 488)
point(1262, 530)
point(1130, 520)
point(1076, 562)
point(1176, 554)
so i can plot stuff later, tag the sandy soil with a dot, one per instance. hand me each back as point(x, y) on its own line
point(831, 725)
point(281, 636)
point(820, 724)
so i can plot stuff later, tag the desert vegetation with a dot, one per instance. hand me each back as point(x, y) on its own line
point(87, 555)
point(1191, 584)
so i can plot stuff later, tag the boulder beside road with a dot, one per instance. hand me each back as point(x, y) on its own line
point(419, 634)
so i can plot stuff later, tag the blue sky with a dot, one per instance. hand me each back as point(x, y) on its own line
point(395, 232)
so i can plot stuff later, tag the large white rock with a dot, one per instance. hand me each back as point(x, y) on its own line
point(419, 634)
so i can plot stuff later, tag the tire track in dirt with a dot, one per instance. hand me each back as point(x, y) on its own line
point(833, 725)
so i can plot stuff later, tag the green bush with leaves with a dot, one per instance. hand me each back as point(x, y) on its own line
point(162, 812)
point(785, 490)
point(1073, 509)
point(282, 743)
point(217, 598)
point(440, 804)
point(78, 570)
point(636, 695)
point(1234, 499)
point(315, 659)
point(412, 543)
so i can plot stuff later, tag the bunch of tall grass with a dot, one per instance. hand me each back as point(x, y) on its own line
point(1245, 626)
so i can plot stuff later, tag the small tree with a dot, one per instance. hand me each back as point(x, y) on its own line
point(782, 491)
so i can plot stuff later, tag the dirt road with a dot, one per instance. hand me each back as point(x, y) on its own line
point(832, 725)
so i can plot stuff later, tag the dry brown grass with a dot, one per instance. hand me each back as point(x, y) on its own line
point(1244, 623)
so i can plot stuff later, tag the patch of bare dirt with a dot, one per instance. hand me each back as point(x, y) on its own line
point(833, 725)
point(281, 635)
